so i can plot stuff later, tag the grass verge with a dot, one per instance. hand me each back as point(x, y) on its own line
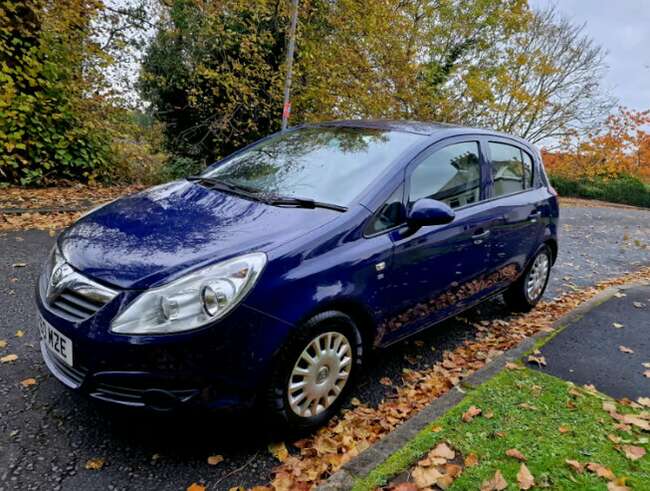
point(528, 409)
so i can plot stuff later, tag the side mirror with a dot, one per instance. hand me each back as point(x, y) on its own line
point(429, 212)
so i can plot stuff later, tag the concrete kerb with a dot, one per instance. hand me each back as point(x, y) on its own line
point(363, 464)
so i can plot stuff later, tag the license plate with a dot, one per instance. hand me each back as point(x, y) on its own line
point(57, 343)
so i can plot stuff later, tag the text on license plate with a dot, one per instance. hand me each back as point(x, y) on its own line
point(59, 345)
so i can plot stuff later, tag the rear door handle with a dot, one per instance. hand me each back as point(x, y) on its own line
point(478, 238)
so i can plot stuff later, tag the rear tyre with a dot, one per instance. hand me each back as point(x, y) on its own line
point(524, 294)
point(315, 371)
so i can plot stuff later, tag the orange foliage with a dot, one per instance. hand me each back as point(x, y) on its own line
point(622, 146)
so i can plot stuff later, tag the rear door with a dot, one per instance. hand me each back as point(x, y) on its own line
point(516, 197)
point(438, 270)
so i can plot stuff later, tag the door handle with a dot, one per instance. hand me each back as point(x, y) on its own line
point(478, 238)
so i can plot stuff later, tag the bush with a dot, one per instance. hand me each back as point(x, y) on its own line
point(623, 189)
point(179, 167)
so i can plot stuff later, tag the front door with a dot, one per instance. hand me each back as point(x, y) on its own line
point(439, 270)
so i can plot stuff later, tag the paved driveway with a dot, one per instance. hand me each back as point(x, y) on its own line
point(47, 433)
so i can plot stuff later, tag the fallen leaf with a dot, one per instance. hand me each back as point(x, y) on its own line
point(355, 402)
point(279, 451)
point(614, 438)
point(497, 483)
point(19, 333)
point(405, 486)
point(443, 450)
point(516, 454)
point(564, 429)
point(575, 465)
point(646, 374)
point(617, 325)
point(632, 452)
point(540, 360)
point(3, 343)
point(94, 464)
point(609, 407)
point(385, 381)
point(19, 265)
point(525, 478)
point(419, 343)
point(425, 477)
point(644, 401)
point(28, 381)
point(646, 364)
point(411, 359)
point(638, 305)
point(471, 413)
point(196, 487)
point(625, 349)
point(619, 295)
point(471, 460)
point(488, 415)
point(525, 405)
point(436, 429)
point(513, 366)
point(612, 486)
point(215, 459)
point(590, 388)
point(601, 471)
point(8, 358)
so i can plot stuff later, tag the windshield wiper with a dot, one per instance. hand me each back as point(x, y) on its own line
point(303, 203)
point(228, 186)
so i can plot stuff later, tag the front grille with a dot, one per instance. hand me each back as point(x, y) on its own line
point(74, 306)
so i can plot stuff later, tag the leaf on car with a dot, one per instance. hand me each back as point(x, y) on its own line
point(215, 459)
point(516, 454)
point(625, 349)
point(471, 413)
point(95, 464)
point(524, 478)
point(279, 451)
point(633, 452)
point(496, 483)
point(8, 358)
point(575, 465)
point(28, 382)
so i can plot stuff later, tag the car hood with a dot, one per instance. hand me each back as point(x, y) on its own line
point(150, 237)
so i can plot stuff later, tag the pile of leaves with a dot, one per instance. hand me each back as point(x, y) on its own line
point(53, 208)
point(345, 437)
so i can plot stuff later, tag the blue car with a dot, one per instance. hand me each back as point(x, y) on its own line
point(266, 280)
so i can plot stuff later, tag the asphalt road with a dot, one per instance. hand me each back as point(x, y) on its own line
point(48, 433)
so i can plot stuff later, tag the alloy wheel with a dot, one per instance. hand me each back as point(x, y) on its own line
point(537, 277)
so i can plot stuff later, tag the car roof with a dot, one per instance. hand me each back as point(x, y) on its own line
point(420, 128)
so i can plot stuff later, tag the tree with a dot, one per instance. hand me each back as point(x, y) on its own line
point(545, 83)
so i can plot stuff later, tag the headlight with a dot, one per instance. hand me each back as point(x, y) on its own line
point(193, 300)
point(54, 260)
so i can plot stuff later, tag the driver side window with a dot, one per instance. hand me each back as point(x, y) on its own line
point(451, 175)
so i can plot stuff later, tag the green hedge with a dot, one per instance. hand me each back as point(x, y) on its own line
point(625, 189)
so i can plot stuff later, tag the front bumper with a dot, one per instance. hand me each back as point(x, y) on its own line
point(220, 366)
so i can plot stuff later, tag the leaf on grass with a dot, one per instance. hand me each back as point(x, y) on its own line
point(617, 325)
point(385, 381)
point(540, 360)
point(436, 429)
point(612, 486)
point(564, 429)
point(279, 451)
point(513, 366)
point(404, 486)
point(443, 450)
point(590, 388)
point(215, 459)
point(196, 487)
point(471, 413)
point(633, 452)
point(425, 477)
point(601, 471)
point(497, 483)
point(8, 358)
point(575, 465)
point(19, 333)
point(644, 401)
point(525, 405)
point(471, 460)
point(614, 438)
point(525, 478)
point(625, 349)
point(28, 381)
point(516, 454)
point(94, 464)
point(609, 407)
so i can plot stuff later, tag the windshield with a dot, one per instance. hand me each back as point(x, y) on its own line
point(327, 164)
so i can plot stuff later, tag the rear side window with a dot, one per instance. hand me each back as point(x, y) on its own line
point(512, 169)
point(451, 175)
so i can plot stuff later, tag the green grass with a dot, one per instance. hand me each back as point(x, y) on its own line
point(533, 432)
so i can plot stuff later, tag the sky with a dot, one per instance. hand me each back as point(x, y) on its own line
point(622, 27)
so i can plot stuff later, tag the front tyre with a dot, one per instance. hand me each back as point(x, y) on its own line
point(315, 371)
point(524, 294)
